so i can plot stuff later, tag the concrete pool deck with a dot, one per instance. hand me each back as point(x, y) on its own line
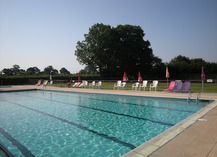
point(194, 136)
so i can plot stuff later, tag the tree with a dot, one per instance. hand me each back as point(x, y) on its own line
point(6, 71)
point(93, 50)
point(111, 51)
point(64, 71)
point(33, 70)
point(180, 65)
point(89, 70)
point(13, 71)
point(16, 70)
point(50, 69)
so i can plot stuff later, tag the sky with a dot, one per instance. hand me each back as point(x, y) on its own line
point(45, 32)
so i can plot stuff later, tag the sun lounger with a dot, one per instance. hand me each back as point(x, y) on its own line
point(135, 86)
point(39, 83)
point(178, 86)
point(154, 85)
point(99, 84)
point(171, 86)
point(186, 86)
point(93, 84)
point(123, 84)
point(118, 85)
point(44, 84)
point(84, 84)
point(143, 85)
point(77, 84)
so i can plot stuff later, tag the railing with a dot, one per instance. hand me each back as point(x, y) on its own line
point(5, 152)
point(197, 97)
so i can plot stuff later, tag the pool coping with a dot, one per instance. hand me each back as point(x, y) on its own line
point(147, 148)
point(157, 142)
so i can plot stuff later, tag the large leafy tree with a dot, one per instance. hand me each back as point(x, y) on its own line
point(113, 50)
point(64, 71)
point(94, 50)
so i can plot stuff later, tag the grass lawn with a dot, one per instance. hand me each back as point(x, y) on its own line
point(195, 87)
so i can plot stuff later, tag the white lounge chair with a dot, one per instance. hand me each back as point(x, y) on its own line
point(123, 84)
point(84, 84)
point(135, 86)
point(118, 85)
point(143, 85)
point(99, 84)
point(93, 84)
point(44, 84)
point(154, 85)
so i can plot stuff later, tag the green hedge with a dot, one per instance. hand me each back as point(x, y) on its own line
point(32, 79)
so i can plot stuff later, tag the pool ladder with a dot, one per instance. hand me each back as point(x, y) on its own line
point(5, 152)
point(190, 96)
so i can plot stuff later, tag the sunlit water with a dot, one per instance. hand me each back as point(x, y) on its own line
point(46, 123)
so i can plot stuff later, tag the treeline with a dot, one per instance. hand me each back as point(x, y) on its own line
point(16, 70)
point(182, 67)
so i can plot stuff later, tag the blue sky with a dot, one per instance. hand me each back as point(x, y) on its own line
point(45, 32)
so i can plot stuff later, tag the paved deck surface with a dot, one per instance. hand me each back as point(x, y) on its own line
point(194, 137)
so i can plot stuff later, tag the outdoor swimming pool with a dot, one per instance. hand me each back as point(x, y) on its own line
point(48, 123)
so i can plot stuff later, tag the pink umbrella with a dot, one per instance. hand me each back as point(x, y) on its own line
point(203, 77)
point(125, 77)
point(167, 72)
point(139, 77)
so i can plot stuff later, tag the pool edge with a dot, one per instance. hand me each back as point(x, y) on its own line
point(157, 142)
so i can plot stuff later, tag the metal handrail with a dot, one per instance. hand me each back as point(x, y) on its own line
point(5, 151)
point(190, 96)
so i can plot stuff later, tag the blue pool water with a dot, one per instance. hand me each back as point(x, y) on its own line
point(48, 123)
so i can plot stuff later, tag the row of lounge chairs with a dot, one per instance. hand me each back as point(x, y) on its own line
point(85, 84)
point(137, 85)
point(42, 83)
point(175, 86)
point(143, 85)
point(178, 86)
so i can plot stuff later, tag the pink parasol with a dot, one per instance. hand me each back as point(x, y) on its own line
point(167, 74)
point(139, 77)
point(125, 77)
point(203, 77)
